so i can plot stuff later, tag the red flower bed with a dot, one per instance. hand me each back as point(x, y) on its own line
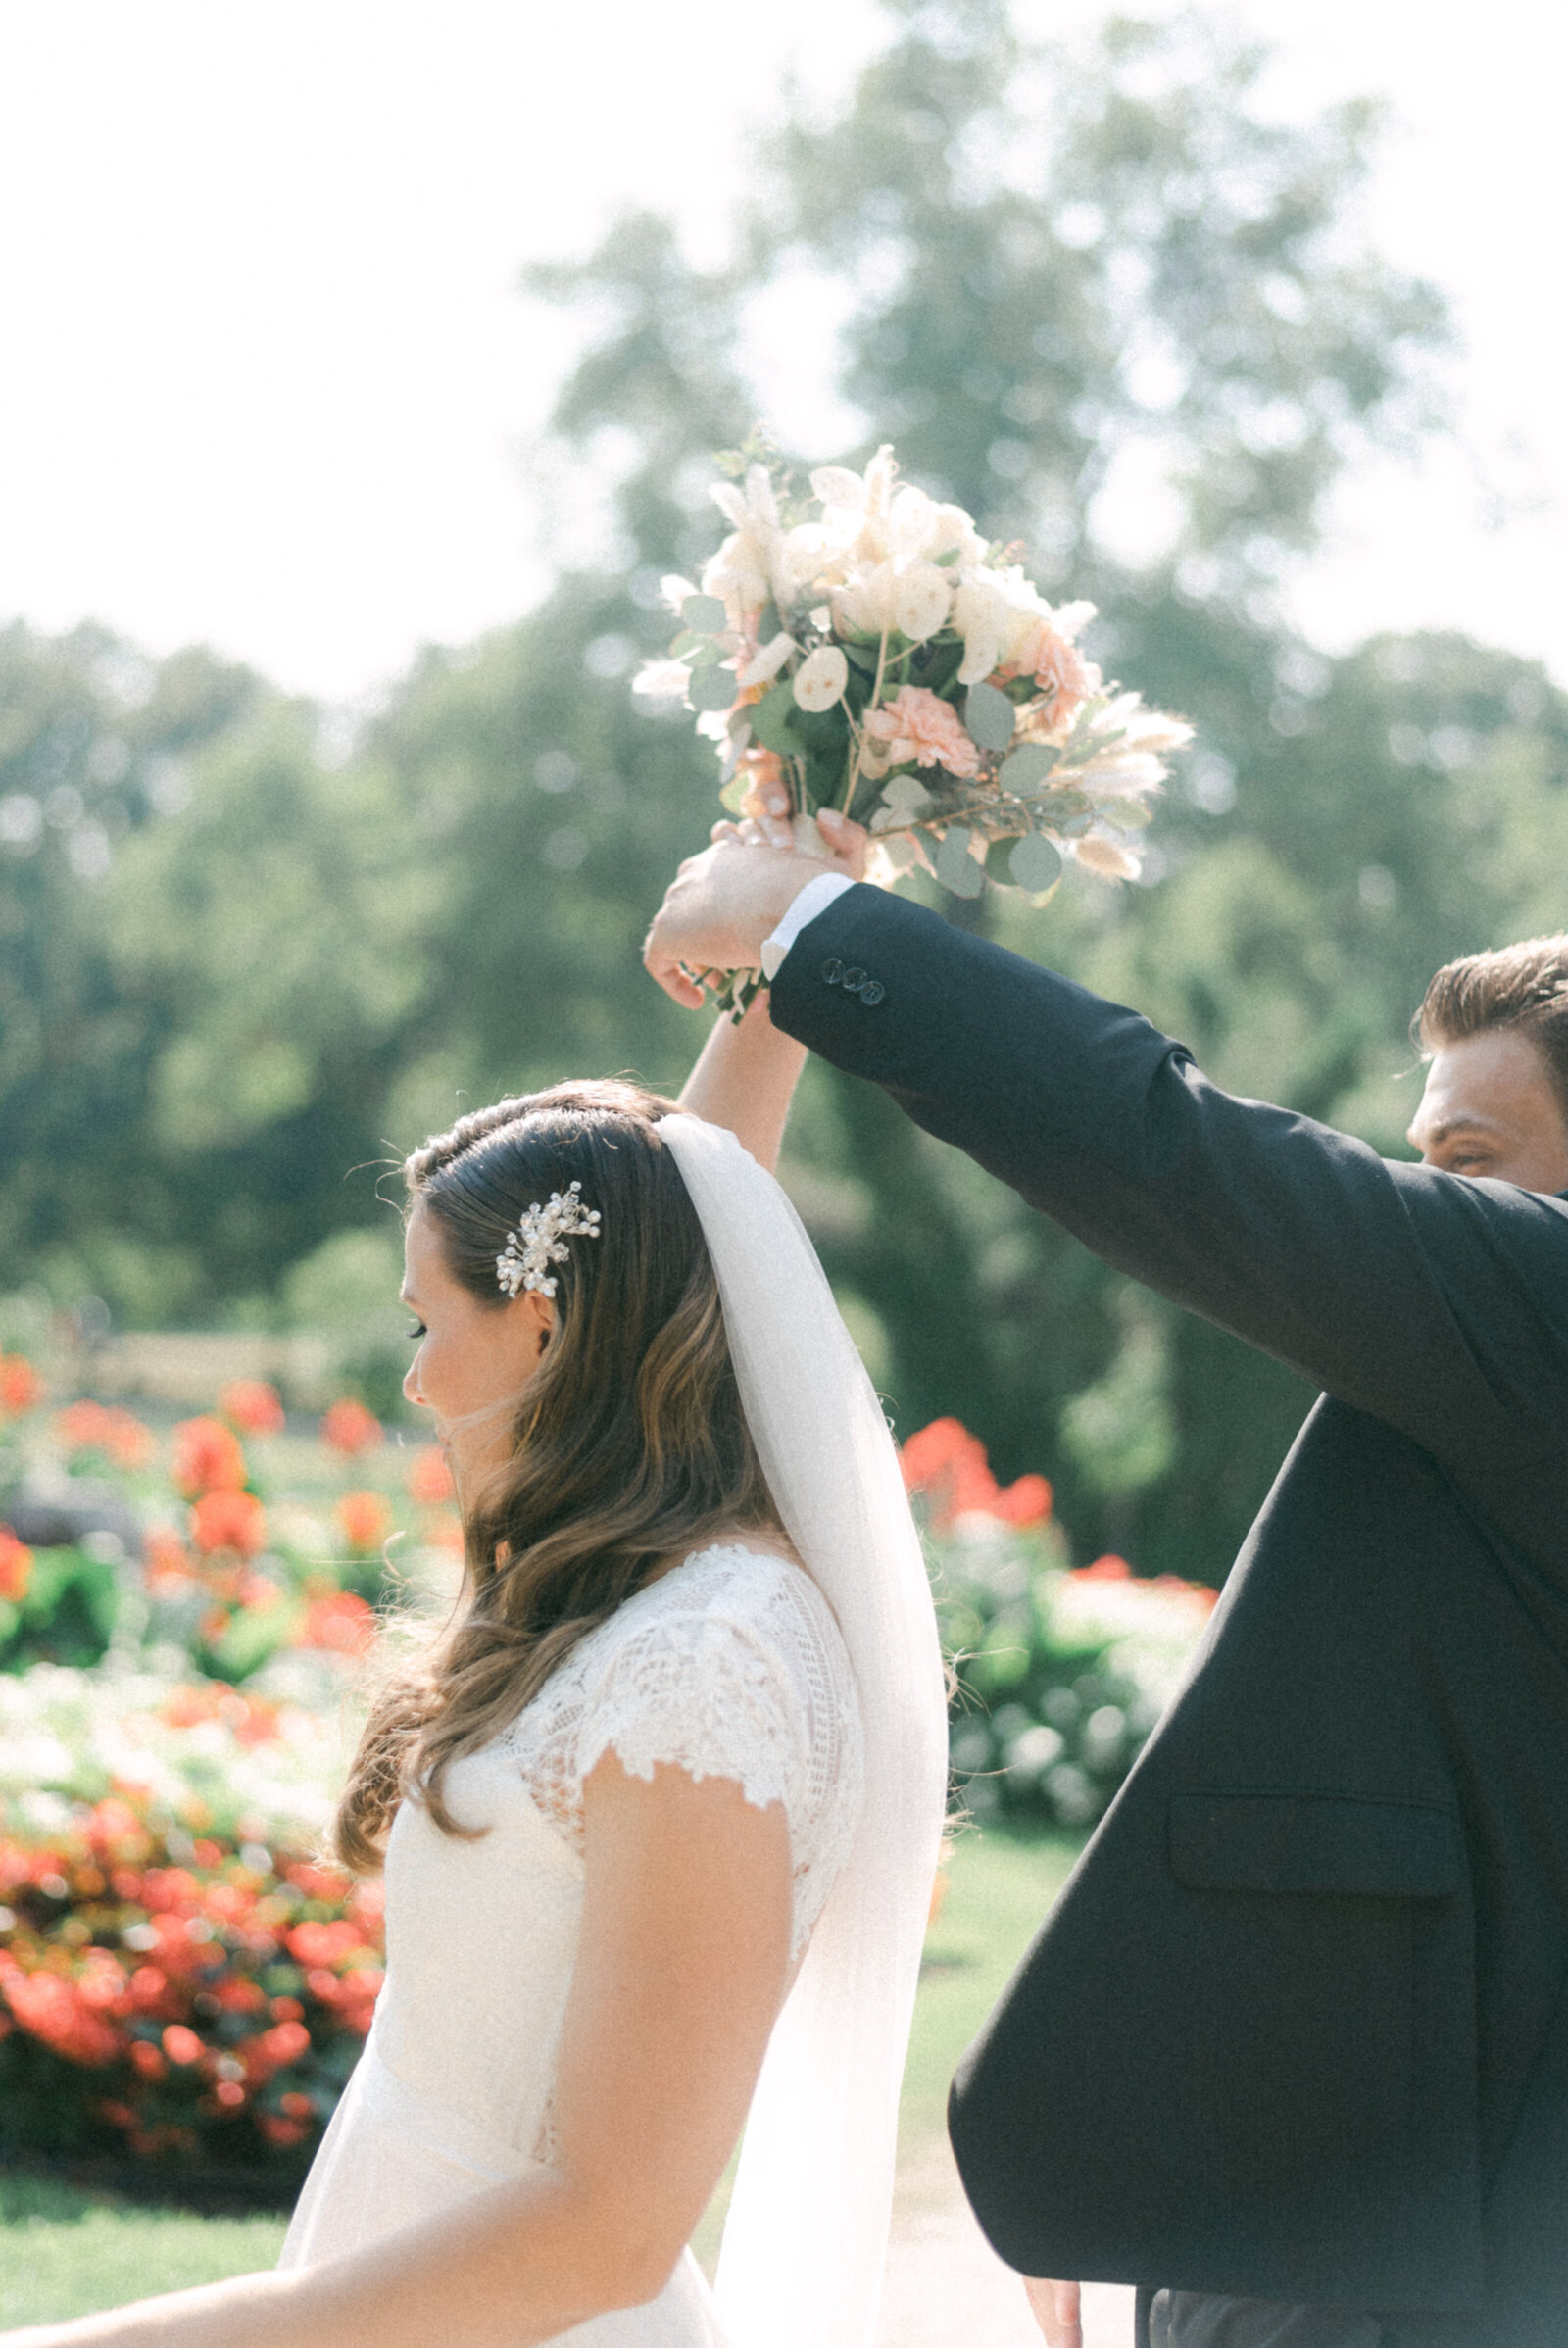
point(176, 2001)
point(949, 1466)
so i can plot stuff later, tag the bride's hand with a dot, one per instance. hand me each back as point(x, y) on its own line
point(723, 904)
point(1057, 2309)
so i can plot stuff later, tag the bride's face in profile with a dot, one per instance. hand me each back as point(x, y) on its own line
point(474, 1359)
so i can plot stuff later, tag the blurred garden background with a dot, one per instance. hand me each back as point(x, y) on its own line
point(1120, 302)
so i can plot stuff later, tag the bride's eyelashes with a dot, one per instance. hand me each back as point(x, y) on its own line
point(416, 1332)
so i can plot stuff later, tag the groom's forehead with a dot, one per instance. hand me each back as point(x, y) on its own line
point(1496, 1082)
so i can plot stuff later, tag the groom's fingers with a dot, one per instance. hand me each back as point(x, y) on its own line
point(847, 841)
point(665, 964)
point(1057, 2309)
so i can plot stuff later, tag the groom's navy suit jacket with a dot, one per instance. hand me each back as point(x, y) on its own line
point(1297, 2027)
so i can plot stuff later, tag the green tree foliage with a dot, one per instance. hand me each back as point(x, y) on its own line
point(1100, 296)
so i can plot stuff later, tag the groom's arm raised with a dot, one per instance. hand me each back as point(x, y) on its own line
point(1437, 1303)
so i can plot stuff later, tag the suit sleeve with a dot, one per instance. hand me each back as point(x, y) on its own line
point(1434, 1303)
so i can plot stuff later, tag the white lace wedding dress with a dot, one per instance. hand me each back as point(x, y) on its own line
point(729, 1666)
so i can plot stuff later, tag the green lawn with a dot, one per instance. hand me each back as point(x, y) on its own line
point(63, 2253)
point(66, 2253)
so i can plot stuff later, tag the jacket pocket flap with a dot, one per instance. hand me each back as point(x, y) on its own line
point(1313, 1842)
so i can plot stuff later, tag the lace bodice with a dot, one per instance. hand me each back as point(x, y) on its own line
point(729, 1666)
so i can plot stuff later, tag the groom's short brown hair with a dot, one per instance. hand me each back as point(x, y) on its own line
point(1523, 986)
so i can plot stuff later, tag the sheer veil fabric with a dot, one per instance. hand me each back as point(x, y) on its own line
point(805, 2240)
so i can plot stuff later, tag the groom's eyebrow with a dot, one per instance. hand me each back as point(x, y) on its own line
point(1452, 1125)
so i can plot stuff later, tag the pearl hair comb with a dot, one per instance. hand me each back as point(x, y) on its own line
point(539, 1242)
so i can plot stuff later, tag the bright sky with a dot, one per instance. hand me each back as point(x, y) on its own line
point(267, 383)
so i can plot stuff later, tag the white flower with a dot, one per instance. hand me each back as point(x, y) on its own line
point(1123, 774)
point(980, 614)
point(864, 605)
point(738, 575)
point(662, 680)
point(839, 489)
point(922, 600)
point(674, 591)
point(821, 678)
point(856, 505)
point(911, 525)
point(1069, 619)
point(954, 533)
point(765, 665)
point(1141, 728)
point(756, 508)
point(1098, 853)
point(797, 560)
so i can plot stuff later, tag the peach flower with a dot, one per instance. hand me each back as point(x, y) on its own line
point(917, 727)
point(1057, 668)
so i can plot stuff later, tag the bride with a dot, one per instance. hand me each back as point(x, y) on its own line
point(659, 1808)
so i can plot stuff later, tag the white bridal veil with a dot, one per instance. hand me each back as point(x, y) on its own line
point(806, 2238)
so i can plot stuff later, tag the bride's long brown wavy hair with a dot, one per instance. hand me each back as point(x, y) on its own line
point(629, 1444)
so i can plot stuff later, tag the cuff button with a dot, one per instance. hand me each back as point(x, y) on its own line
point(874, 990)
point(854, 981)
point(833, 972)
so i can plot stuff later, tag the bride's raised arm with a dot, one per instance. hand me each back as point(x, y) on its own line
point(746, 1074)
point(744, 1078)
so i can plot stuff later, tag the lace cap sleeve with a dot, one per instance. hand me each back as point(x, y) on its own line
point(707, 1691)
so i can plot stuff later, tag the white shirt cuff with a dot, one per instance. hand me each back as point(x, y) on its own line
point(816, 898)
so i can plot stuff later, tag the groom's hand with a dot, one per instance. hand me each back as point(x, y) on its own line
point(1057, 2310)
point(723, 904)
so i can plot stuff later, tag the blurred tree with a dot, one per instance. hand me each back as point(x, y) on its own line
point(95, 745)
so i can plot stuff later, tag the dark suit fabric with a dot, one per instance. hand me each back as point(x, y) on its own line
point(1296, 2028)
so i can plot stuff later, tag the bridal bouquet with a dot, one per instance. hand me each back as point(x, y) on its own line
point(866, 650)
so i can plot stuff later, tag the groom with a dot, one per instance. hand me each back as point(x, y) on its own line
point(1290, 2053)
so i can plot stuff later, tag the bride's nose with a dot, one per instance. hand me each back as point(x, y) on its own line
point(412, 1388)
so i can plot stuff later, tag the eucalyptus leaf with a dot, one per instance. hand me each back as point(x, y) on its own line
point(704, 615)
point(906, 793)
point(685, 645)
point(774, 721)
point(1028, 765)
point(734, 791)
point(990, 717)
point(956, 867)
point(713, 688)
point(1035, 862)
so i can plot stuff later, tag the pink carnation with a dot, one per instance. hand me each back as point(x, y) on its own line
point(918, 726)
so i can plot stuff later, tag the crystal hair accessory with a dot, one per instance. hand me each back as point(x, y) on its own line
point(539, 1242)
